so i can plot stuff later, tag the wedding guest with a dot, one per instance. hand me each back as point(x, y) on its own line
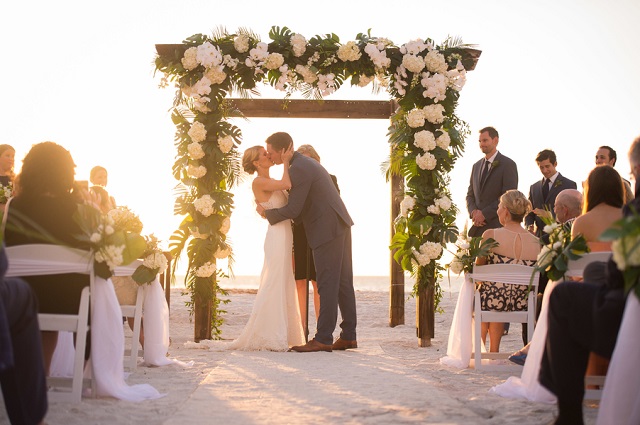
point(22, 376)
point(43, 213)
point(7, 161)
point(98, 177)
point(606, 155)
point(584, 317)
point(302, 253)
point(542, 194)
point(516, 246)
point(490, 178)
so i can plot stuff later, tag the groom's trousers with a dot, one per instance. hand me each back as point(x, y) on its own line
point(334, 272)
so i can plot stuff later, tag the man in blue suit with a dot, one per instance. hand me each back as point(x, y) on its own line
point(315, 201)
point(491, 177)
point(542, 194)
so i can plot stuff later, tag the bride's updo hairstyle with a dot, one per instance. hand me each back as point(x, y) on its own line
point(251, 155)
point(517, 204)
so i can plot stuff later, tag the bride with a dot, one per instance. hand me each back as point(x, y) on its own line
point(274, 323)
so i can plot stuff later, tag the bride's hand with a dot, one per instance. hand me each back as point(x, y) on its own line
point(287, 155)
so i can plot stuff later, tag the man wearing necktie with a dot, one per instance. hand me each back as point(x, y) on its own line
point(491, 176)
point(542, 194)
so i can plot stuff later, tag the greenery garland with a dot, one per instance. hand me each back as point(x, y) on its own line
point(425, 134)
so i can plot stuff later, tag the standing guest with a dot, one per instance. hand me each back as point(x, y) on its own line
point(490, 178)
point(301, 254)
point(98, 177)
point(606, 155)
point(21, 367)
point(542, 194)
point(7, 176)
point(584, 317)
point(43, 213)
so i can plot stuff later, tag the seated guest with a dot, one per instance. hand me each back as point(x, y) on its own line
point(583, 318)
point(516, 246)
point(21, 367)
point(43, 213)
point(98, 177)
point(603, 201)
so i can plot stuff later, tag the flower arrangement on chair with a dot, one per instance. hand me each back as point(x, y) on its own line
point(469, 249)
point(553, 259)
point(6, 192)
point(154, 262)
point(625, 234)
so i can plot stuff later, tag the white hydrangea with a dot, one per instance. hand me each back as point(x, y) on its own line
point(428, 251)
point(308, 76)
point(415, 118)
point(435, 62)
point(206, 270)
point(225, 143)
point(433, 209)
point(195, 150)
point(443, 141)
point(349, 52)
point(425, 140)
point(225, 225)
point(95, 238)
point(435, 85)
point(111, 255)
point(196, 171)
point(241, 43)
point(434, 113)
point(189, 60)
point(208, 55)
point(204, 205)
point(406, 205)
point(413, 63)
point(216, 74)
point(154, 261)
point(298, 44)
point(197, 132)
point(274, 61)
point(222, 253)
point(426, 161)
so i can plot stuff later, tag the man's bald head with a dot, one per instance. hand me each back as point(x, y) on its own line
point(568, 205)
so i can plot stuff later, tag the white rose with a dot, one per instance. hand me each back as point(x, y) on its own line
point(225, 143)
point(197, 132)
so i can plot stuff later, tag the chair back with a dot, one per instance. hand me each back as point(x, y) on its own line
point(575, 268)
point(47, 259)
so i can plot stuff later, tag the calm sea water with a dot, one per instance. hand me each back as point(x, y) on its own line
point(360, 283)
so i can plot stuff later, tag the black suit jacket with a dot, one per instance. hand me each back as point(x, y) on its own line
point(503, 176)
point(538, 201)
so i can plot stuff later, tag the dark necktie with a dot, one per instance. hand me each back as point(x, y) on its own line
point(545, 189)
point(485, 172)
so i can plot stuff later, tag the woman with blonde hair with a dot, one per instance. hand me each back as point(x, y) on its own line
point(274, 323)
point(516, 245)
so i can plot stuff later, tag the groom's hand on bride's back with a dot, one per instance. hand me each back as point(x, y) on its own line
point(260, 210)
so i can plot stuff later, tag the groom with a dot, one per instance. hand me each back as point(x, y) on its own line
point(314, 200)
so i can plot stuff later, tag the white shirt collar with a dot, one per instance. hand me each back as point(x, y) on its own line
point(553, 178)
point(492, 158)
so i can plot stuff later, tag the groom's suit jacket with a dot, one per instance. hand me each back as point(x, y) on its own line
point(538, 201)
point(313, 200)
point(503, 175)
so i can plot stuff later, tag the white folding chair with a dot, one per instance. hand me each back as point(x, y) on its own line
point(513, 274)
point(136, 312)
point(575, 269)
point(43, 259)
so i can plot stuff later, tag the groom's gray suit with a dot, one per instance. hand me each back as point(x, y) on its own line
point(315, 201)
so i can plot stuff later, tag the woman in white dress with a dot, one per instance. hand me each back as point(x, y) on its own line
point(274, 323)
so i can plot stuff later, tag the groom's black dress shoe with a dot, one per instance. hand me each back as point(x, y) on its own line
point(344, 344)
point(311, 347)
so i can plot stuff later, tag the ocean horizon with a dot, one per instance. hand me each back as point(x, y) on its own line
point(360, 283)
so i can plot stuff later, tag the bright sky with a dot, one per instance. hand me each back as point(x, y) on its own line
point(559, 75)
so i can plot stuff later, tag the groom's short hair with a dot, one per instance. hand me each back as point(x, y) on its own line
point(280, 141)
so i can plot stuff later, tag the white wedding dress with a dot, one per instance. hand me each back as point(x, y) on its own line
point(274, 323)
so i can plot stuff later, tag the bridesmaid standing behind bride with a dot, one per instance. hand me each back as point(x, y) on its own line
point(274, 323)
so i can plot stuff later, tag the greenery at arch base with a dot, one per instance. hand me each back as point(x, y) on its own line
point(425, 134)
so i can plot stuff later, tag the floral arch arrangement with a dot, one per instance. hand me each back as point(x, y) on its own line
point(425, 134)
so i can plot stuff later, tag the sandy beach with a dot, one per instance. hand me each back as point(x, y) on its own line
point(387, 380)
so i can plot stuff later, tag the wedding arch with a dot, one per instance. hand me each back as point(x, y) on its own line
point(425, 136)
